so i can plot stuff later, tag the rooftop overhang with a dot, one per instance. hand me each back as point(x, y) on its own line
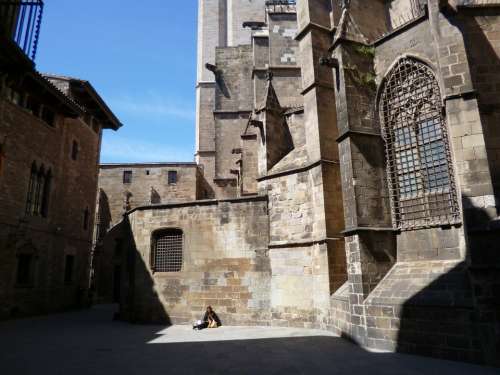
point(12, 57)
point(85, 94)
point(16, 65)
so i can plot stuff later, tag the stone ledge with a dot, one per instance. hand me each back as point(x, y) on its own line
point(205, 202)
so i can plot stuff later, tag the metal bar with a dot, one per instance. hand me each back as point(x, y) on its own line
point(37, 31)
point(25, 18)
point(20, 26)
point(28, 30)
point(420, 174)
point(31, 27)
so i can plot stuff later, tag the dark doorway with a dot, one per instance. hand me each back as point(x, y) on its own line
point(117, 276)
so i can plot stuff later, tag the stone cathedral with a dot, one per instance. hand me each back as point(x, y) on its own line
point(347, 178)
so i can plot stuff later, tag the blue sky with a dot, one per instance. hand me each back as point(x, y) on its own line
point(141, 58)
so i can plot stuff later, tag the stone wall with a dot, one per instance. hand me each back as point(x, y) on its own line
point(238, 12)
point(148, 181)
point(397, 280)
point(225, 263)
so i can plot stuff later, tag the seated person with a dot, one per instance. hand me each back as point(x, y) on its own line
point(210, 320)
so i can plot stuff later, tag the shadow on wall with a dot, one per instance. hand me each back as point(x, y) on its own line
point(457, 315)
point(139, 300)
point(203, 188)
point(103, 220)
point(484, 62)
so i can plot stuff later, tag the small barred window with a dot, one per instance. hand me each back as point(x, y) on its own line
point(172, 177)
point(167, 250)
point(127, 177)
point(419, 164)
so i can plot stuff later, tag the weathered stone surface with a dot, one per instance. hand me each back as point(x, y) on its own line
point(293, 113)
point(43, 137)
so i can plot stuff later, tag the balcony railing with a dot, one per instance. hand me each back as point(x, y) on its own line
point(20, 20)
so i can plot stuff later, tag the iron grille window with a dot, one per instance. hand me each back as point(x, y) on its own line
point(419, 164)
point(127, 177)
point(167, 250)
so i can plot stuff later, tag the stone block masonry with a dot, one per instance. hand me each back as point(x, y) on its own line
point(225, 263)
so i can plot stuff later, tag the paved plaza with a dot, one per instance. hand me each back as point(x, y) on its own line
point(90, 342)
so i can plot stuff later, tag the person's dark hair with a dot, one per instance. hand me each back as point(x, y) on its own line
point(209, 308)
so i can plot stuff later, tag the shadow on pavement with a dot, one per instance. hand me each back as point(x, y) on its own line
point(90, 342)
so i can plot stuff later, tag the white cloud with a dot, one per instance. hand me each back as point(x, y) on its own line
point(117, 149)
point(152, 104)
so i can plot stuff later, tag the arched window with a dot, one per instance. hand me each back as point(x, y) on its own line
point(30, 199)
point(418, 154)
point(37, 200)
point(167, 246)
point(46, 194)
point(39, 188)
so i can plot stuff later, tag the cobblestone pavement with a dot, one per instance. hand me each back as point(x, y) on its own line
point(90, 343)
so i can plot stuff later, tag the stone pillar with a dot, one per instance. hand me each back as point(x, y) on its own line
point(212, 33)
point(320, 122)
point(370, 244)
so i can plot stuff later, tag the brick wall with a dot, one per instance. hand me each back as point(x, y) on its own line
point(26, 139)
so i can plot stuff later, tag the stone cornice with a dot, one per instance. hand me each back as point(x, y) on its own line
point(298, 170)
point(313, 26)
point(205, 202)
point(285, 244)
point(315, 84)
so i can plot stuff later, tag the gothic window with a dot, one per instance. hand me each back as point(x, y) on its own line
point(167, 249)
point(39, 188)
point(37, 200)
point(46, 194)
point(31, 189)
point(419, 164)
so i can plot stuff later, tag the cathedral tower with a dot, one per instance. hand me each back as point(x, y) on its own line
point(220, 24)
